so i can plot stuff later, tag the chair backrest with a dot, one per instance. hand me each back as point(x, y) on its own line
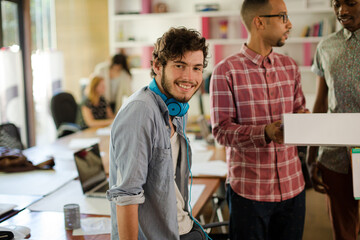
point(10, 136)
point(63, 108)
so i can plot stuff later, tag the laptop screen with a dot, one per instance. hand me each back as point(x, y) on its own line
point(90, 167)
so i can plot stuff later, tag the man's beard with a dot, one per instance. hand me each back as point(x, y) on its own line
point(166, 87)
point(280, 43)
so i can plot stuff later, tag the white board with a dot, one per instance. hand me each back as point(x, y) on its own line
point(335, 129)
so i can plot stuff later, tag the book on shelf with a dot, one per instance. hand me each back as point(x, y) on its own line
point(318, 29)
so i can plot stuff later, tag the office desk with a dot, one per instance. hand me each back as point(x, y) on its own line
point(60, 148)
point(38, 153)
point(50, 225)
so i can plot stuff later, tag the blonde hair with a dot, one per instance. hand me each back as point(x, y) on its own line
point(92, 94)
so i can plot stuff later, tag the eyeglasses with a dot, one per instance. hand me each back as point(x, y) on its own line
point(284, 17)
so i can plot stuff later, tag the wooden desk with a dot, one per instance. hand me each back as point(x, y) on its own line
point(50, 225)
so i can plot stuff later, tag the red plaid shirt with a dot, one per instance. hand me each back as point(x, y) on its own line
point(249, 91)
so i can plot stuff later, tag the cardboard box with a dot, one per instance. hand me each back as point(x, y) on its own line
point(335, 129)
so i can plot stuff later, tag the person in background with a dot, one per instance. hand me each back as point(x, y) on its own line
point(96, 112)
point(117, 78)
point(249, 93)
point(150, 157)
point(337, 65)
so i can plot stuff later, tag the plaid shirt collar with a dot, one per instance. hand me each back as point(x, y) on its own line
point(255, 57)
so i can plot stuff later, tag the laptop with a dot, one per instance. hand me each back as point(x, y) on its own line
point(205, 130)
point(91, 171)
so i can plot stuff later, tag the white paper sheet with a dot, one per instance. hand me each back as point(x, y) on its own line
point(79, 143)
point(93, 226)
point(196, 191)
point(335, 129)
point(38, 182)
point(72, 193)
point(104, 131)
point(210, 168)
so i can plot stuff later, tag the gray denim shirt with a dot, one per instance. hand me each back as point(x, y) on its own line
point(141, 166)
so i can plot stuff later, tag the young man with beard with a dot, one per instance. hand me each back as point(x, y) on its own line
point(249, 92)
point(149, 154)
point(337, 65)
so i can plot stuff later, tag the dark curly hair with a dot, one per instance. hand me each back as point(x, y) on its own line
point(175, 43)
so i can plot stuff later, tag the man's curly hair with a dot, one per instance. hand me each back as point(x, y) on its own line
point(175, 43)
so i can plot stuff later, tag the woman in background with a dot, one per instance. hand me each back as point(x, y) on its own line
point(95, 110)
point(117, 78)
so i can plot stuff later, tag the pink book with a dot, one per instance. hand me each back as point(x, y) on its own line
point(146, 57)
point(307, 54)
point(145, 6)
point(218, 53)
point(205, 21)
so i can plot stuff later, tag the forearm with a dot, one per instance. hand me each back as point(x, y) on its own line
point(127, 221)
point(236, 135)
point(312, 154)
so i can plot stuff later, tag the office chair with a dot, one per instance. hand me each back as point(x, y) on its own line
point(65, 111)
point(217, 236)
point(10, 136)
point(216, 219)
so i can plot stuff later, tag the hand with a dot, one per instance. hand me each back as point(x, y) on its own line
point(304, 110)
point(318, 184)
point(275, 132)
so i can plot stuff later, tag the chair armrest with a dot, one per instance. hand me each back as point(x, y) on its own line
point(215, 224)
point(67, 128)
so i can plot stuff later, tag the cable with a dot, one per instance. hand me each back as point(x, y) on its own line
point(191, 182)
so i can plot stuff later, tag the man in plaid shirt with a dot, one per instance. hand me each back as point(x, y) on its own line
point(249, 93)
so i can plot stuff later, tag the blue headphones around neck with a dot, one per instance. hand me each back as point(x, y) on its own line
point(175, 107)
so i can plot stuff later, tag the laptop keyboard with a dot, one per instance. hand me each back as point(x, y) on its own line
point(104, 188)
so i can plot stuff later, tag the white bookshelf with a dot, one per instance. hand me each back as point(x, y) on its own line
point(136, 33)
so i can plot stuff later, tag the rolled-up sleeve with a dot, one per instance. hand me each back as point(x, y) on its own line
point(130, 153)
point(317, 65)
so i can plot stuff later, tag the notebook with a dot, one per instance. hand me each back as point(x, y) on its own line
point(6, 207)
point(91, 171)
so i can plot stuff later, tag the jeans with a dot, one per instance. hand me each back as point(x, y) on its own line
point(266, 220)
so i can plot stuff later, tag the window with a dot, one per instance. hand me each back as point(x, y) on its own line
point(12, 91)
